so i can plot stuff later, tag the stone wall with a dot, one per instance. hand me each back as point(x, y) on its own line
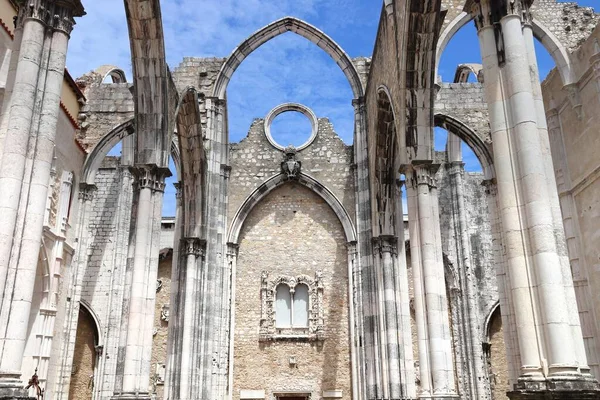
point(103, 283)
point(573, 121)
point(108, 105)
point(292, 232)
point(327, 159)
point(478, 233)
point(197, 72)
point(498, 362)
point(83, 373)
point(161, 325)
point(466, 103)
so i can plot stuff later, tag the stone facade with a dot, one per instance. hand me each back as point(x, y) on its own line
point(292, 232)
point(480, 286)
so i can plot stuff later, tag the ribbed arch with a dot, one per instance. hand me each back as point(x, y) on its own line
point(482, 150)
point(110, 140)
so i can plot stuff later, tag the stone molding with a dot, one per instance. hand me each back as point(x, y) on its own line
point(150, 176)
point(315, 330)
point(57, 15)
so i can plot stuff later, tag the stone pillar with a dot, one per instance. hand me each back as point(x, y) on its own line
point(79, 264)
point(232, 256)
point(385, 250)
point(431, 304)
point(29, 123)
point(553, 197)
point(150, 183)
point(172, 370)
point(192, 255)
point(550, 357)
point(504, 298)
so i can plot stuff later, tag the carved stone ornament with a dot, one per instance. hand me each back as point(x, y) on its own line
point(54, 14)
point(159, 285)
point(86, 191)
point(316, 324)
point(164, 313)
point(150, 177)
point(290, 165)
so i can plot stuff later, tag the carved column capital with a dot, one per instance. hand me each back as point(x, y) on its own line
point(490, 12)
point(150, 176)
point(87, 191)
point(178, 190)
point(424, 174)
point(57, 15)
point(193, 247)
point(574, 95)
point(385, 244)
point(455, 167)
point(491, 187)
point(359, 105)
point(232, 249)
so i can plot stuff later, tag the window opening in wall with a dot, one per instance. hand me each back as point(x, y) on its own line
point(291, 307)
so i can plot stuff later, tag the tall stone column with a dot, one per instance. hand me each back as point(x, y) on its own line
point(385, 249)
point(150, 183)
point(193, 250)
point(431, 303)
point(29, 121)
point(551, 360)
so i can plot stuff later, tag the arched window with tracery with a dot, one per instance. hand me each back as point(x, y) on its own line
point(292, 307)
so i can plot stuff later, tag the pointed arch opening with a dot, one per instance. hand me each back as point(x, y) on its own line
point(548, 40)
point(274, 29)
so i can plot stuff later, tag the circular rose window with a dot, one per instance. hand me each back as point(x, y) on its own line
point(291, 124)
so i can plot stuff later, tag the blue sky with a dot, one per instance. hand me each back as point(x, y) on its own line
point(285, 69)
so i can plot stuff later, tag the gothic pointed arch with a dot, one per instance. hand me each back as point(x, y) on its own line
point(278, 180)
point(480, 146)
point(557, 50)
point(274, 29)
point(110, 140)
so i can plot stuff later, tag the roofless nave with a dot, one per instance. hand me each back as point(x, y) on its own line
point(291, 272)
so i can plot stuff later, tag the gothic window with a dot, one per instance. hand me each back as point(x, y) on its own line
point(300, 309)
point(283, 310)
point(292, 308)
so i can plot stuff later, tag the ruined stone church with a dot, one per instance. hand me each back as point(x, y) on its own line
point(297, 272)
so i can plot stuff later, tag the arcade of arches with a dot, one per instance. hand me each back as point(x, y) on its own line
point(377, 270)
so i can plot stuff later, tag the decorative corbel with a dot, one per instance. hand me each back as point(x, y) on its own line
point(575, 99)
